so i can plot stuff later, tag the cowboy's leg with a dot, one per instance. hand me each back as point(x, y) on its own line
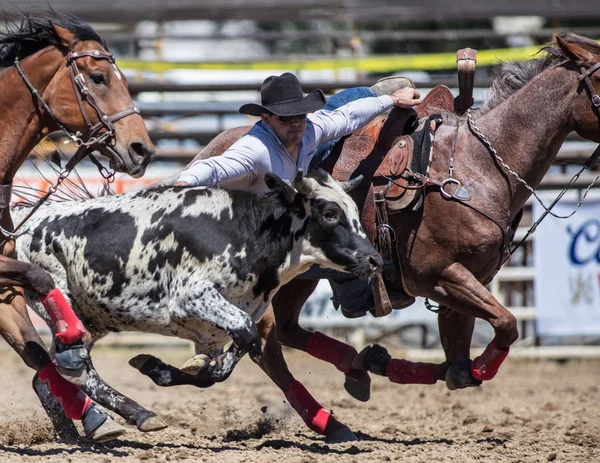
point(385, 86)
point(333, 102)
point(270, 359)
point(287, 305)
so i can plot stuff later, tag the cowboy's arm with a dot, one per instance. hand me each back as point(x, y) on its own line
point(356, 114)
point(238, 163)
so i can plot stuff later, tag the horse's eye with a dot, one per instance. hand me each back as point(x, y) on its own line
point(97, 78)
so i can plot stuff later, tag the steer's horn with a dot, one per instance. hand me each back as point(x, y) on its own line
point(349, 185)
point(301, 185)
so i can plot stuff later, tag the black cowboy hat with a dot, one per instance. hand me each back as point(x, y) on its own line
point(283, 96)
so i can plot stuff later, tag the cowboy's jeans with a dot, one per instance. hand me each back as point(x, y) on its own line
point(354, 294)
point(334, 102)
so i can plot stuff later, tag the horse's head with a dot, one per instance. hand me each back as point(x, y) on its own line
point(334, 236)
point(87, 93)
point(585, 55)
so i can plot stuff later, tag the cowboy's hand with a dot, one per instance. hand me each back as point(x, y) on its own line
point(181, 183)
point(406, 97)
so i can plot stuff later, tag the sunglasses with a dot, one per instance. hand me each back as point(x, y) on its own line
point(299, 117)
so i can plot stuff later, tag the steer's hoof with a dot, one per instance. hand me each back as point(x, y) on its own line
point(151, 424)
point(339, 433)
point(358, 385)
point(458, 375)
point(99, 426)
point(196, 364)
point(71, 362)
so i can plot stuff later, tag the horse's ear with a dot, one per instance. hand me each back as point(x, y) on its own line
point(65, 37)
point(575, 53)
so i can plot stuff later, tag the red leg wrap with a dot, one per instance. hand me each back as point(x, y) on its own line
point(487, 364)
point(315, 416)
point(69, 328)
point(73, 400)
point(405, 372)
point(330, 350)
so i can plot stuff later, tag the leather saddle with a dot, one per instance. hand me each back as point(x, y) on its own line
point(389, 153)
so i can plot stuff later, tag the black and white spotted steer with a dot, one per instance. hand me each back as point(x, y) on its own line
point(196, 263)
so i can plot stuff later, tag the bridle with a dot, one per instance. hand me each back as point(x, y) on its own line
point(101, 133)
point(584, 76)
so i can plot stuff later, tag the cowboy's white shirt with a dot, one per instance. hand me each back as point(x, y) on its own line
point(244, 165)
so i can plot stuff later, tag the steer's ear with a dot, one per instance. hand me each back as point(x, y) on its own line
point(283, 189)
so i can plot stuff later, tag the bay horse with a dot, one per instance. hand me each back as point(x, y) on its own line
point(59, 75)
point(449, 249)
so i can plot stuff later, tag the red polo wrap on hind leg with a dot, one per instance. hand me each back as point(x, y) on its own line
point(315, 416)
point(406, 372)
point(487, 364)
point(69, 328)
point(73, 400)
point(330, 350)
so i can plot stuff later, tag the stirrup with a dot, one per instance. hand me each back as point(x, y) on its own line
point(99, 425)
point(71, 362)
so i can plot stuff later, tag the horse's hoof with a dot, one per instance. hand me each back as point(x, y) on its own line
point(196, 364)
point(99, 426)
point(458, 375)
point(340, 434)
point(358, 385)
point(71, 362)
point(151, 424)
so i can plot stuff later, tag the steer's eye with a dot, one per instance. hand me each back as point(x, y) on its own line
point(97, 78)
point(330, 216)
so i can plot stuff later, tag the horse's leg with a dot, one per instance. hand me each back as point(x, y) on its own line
point(209, 307)
point(69, 329)
point(287, 305)
point(16, 328)
point(105, 395)
point(270, 359)
point(458, 288)
point(456, 332)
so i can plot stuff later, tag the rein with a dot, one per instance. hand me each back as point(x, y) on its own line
point(101, 133)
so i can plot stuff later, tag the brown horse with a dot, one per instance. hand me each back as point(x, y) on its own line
point(59, 75)
point(449, 249)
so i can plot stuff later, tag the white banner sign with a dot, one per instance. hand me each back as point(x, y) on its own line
point(567, 270)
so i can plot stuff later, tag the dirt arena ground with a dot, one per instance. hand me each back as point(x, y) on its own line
point(532, 412)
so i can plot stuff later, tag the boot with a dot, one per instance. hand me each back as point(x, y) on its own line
point(389, 85)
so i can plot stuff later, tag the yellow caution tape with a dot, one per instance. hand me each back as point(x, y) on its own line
point(387, 63)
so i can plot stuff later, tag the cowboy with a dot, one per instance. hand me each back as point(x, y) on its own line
point(292, 126)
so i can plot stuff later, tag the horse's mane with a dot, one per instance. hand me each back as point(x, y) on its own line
point(30, 33)
point(511, 77)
